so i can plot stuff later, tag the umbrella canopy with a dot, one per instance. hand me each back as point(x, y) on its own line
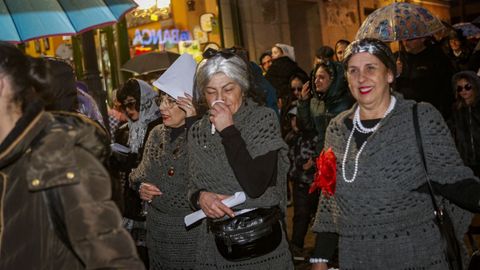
point(469, 30)
point(399, 21)
point(23, 20)
point(150, 62)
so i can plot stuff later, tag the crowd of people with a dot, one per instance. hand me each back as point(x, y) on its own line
point(115, 195)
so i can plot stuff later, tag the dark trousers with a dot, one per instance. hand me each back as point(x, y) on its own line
point(304, 209)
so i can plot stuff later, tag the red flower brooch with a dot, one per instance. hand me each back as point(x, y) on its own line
point(326, 175)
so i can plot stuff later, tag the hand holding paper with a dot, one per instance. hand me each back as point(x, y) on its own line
point(236, 199)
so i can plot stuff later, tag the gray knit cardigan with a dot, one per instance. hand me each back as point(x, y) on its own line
point(170, 244)
point(210, 170)
point(382, 222)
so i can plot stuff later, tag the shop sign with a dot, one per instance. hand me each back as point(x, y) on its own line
point(155, 37)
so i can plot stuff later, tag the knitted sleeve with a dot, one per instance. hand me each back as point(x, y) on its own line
point(151, 153)
point(444, 164)
point(262, 134)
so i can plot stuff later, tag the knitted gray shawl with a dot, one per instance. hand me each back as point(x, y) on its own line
point(170, 244)
point(382, 222)
point(210, 170)
point(209, 165)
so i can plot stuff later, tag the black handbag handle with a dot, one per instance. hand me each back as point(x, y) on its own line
point(418, 136)
point(445, 225)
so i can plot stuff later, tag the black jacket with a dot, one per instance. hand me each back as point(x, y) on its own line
point(279, 75)
point(426, 77)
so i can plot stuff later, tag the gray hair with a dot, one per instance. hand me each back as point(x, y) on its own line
point(231, 65)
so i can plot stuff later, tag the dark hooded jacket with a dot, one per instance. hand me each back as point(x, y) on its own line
point(57, 154)
point(279, 75)
point(465, 125)
point(316, 112)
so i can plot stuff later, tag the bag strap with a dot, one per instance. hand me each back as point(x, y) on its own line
point(418, 136)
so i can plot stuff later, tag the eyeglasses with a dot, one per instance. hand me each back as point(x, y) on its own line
point(167, 100)
point(467, 87)
point(129, 104)
point(294, 89)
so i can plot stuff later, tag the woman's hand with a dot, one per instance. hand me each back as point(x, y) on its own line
point(307, 165)
point(221, 116)
point(212, 206)
point(148, 191)
point(305, 93)
point(186, 104)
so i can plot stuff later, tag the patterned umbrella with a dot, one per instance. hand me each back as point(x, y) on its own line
point(469, 30)
point(23, 20)
point(399, 21)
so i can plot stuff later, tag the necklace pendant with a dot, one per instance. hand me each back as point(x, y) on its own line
point(171, 171)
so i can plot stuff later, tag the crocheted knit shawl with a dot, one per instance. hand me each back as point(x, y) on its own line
point(209, 169)
point(382, 222)
point(170, 244)
point(209, 166)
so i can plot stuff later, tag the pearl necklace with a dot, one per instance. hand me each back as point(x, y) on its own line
point(357, 124)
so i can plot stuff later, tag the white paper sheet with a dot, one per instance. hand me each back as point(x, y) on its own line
point(236, 199)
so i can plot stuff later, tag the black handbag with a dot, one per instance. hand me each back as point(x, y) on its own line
point(248, 235)
point(442, 219)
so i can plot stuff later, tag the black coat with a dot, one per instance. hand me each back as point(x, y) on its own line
point(426, 77)
point(465, 126)
point(279, 75)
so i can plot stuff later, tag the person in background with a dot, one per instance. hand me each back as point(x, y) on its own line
point(162, 176)
point(265, 61)
point(243, 151)
point(381, 199)
point(465, 120)
point(426, 75)
point(67, 93)
point(297, 81)
point(116, 117)
point(459, 52)
point(63, 87)
point(323, 54)
point(340, 47)
point(56, 211)
point(283, 67)
point(88, 107)
point(138, 102)
point(324, 99)
point(302, 144)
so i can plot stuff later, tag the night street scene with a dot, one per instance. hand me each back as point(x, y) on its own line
point(240, 134)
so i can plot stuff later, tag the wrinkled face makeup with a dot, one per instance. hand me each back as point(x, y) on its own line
point(322, 80)
point(221, 87)
point(129, 107)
